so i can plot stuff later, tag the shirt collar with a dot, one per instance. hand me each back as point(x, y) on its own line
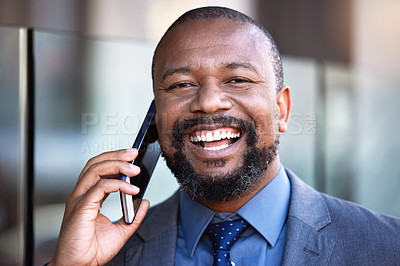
point(266, 212)
point(195, 218)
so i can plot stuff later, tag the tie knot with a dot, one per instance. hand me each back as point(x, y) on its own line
point(224, 235)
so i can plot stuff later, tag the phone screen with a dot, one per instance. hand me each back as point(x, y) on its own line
point(149, 152)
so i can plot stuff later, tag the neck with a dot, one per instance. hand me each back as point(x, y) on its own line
point(235, 204)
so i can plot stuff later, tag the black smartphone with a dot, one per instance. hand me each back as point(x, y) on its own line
point(149, 152)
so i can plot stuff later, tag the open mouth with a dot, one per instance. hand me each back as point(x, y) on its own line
point(214, 140)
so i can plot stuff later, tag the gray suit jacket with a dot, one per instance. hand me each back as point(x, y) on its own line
point(321, 230)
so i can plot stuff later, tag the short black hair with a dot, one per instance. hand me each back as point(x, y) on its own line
point(216, 12)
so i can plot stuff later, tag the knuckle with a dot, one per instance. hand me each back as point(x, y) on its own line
point(70, 203)
point(105, 182)
point(95, 159)
point(93, 168)
point(91, 161)
point(102, 182)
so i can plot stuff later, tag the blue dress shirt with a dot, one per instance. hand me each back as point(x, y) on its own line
point(261, 244)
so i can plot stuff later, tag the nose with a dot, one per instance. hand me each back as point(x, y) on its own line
point(210, 99)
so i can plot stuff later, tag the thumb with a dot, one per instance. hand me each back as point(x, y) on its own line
point(129, 229)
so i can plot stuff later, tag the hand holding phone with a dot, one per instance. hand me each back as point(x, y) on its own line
point(149, 152)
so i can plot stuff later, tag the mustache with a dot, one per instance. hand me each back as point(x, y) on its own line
point(181, 127)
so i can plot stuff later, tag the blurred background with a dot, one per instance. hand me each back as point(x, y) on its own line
point(91, 87)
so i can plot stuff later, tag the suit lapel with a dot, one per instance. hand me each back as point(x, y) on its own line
point(308, 215)
point(159, 235)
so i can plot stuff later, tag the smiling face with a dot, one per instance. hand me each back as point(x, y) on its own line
point(218, 110)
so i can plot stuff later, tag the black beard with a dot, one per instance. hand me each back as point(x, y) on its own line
point(227, 186)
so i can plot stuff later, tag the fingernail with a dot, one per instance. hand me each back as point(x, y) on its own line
point(135, 189)
point(130, 149)
point(134, 167)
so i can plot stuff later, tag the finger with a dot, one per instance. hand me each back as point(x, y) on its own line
point(127, 230)
point(104, 168)
point(91, 202)
point(119, 155)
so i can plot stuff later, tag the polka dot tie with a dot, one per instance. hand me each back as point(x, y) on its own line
point(223, 236)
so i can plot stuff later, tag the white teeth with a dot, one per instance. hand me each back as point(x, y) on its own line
point(223, 135)
point(217, 135)
point(209, 136)
point(217, 148)
point(214, 136)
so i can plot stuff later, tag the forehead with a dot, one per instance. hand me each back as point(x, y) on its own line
point(216, 41)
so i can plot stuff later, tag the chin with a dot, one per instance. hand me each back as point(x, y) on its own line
point(221, 186)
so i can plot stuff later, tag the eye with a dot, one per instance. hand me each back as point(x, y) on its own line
point(180, 85)
point(239, 81)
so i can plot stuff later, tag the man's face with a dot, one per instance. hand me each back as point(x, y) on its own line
point(216, 100)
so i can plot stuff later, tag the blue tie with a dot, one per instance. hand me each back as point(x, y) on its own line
point(223, 236)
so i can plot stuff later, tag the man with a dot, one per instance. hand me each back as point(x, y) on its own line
point(221, 104)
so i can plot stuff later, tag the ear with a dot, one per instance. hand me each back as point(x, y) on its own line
point(284, 104)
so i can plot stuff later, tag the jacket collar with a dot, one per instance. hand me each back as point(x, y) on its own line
point(155, 239)
point(308, 215)
point(155, 223)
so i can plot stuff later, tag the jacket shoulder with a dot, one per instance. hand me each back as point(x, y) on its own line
point(358, 220)
point(344, 232)
point(369, 236)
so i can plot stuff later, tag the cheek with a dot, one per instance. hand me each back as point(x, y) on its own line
point(166, 114)
point(170, 111)
point(164, 135)
point(165, 122)
point(167, 117)
point(266, 122)
point(267, 130)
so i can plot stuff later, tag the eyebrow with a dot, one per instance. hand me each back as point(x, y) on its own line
point(236, 65)
point(186, 69)
point(178, 70)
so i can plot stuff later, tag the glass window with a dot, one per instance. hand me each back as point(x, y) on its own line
point(9, 145)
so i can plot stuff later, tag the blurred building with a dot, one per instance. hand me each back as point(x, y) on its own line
point(91, 84)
